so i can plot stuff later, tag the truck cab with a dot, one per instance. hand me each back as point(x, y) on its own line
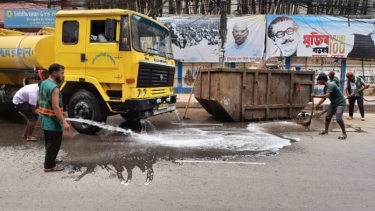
point(116, 62)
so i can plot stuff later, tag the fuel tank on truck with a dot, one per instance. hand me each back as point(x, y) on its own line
point(26, 52)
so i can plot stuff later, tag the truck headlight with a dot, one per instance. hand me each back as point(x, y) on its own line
point(144, 92)
point(138, 92)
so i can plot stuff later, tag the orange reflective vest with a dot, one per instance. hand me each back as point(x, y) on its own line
point(47, 111)
point(45, 98)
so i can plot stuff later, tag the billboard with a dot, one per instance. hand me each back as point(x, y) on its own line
point(319, 36)
point(245, 38)
point(194, 39)
point(29, 18)
point(197, 39)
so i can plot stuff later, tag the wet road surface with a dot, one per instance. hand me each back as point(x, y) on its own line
point(167, 137)
point(137, 159)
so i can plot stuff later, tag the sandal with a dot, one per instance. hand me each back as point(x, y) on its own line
point(32, 138)
point(342, 137)
point(350, 118)
point(29, 136)
point(323, 133)
point(56, 168)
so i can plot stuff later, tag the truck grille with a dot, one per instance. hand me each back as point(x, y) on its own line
point(151, 75)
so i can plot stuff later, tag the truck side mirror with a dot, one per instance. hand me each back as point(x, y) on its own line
point(110, 26)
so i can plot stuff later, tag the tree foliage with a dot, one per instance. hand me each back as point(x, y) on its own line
point(154, 8)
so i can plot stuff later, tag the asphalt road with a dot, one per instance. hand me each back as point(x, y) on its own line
point(114, 172)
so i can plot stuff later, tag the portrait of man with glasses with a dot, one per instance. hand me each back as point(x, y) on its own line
point(241, 46)
point(284, 33)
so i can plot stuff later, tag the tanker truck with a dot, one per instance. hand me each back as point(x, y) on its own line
point(116, 62)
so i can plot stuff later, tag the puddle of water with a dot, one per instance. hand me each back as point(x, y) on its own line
point(253, 138)
point(194, 140)
point(180, 119)
point(186, 140)
point(278, 127)
point(291, 139)
point(121, 154)
point(117, 166)
point(147, 126)
point(195, 124)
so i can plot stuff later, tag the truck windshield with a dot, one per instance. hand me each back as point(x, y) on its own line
point(150, 37)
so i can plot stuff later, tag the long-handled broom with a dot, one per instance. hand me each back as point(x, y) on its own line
point(306, 124)
point(191, 93)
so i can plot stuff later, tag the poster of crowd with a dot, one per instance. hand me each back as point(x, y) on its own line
point(245, 38)
point(319, 36)
point(194, 39)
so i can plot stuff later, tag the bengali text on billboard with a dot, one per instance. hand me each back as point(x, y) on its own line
point(319, 36)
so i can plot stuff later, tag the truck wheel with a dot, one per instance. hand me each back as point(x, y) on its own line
point(84, 105)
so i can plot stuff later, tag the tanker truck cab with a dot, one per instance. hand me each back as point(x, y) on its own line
point(116, 62)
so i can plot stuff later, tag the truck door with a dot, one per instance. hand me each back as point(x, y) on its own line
point(70, 45)
point(102, 53)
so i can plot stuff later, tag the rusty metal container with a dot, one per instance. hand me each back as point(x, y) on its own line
point(246, 94)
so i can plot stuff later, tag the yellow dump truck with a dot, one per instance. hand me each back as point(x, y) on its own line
point(116, 62)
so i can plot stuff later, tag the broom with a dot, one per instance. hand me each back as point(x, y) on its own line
point(191, 92)
point(306, 124)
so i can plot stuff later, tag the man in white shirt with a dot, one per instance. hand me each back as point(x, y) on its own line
point(25, 101)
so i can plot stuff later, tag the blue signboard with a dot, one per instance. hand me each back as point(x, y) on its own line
point(29, 18)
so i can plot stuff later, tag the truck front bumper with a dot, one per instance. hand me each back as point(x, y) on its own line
point(143, 108)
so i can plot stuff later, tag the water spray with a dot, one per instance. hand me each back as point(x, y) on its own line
point(103, 126)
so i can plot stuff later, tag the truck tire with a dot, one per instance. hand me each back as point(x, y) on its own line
point(84, 105)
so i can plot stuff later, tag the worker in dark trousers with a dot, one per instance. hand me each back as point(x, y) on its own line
point(354, 92)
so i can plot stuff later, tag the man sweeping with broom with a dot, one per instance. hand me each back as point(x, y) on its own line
point(337, 105)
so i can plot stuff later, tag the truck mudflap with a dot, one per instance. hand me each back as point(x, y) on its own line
point(143, 108)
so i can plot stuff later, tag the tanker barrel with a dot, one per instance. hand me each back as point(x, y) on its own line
point(26, 52)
